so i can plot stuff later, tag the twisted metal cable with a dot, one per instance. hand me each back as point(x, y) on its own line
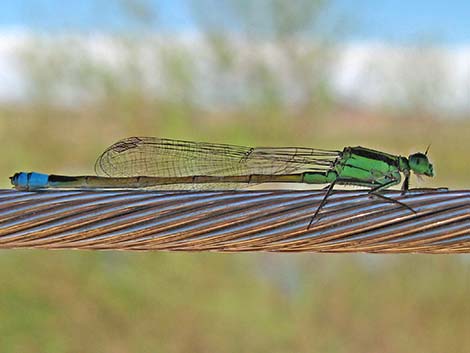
point(273, 220)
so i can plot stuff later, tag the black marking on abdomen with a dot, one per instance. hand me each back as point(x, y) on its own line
point(60, 178)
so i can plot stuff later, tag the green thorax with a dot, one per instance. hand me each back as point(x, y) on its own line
point(364, 166)
point(360, 162)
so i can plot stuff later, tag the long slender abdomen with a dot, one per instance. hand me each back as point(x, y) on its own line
point(33, 181)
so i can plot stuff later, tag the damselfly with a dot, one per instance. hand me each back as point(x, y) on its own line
point(150, 162)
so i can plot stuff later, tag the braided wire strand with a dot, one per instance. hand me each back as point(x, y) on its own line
point(236, 221)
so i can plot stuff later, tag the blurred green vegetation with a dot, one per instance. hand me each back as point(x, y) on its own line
point(62, 301)
point(65, 301)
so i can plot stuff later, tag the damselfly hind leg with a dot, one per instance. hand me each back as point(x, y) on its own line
point(376, 192)
point(329, 189)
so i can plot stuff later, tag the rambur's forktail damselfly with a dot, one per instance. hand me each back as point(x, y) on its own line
point(149, 162)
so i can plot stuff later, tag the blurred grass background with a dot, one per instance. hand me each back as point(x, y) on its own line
point(267, 85)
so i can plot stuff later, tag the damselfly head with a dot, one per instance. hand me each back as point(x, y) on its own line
point(420, 165)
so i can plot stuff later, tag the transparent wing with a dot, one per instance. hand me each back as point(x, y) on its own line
point(150, 156)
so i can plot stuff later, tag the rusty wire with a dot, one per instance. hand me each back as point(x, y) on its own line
point(273, 220)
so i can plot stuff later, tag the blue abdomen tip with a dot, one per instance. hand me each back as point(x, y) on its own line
point(29, 180)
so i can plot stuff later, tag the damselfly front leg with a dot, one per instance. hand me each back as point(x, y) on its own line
point(406, 183)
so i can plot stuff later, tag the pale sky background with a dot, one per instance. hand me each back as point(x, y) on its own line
point(446, 21)
point(375, 40)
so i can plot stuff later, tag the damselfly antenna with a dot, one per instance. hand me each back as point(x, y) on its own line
point(427, 149)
